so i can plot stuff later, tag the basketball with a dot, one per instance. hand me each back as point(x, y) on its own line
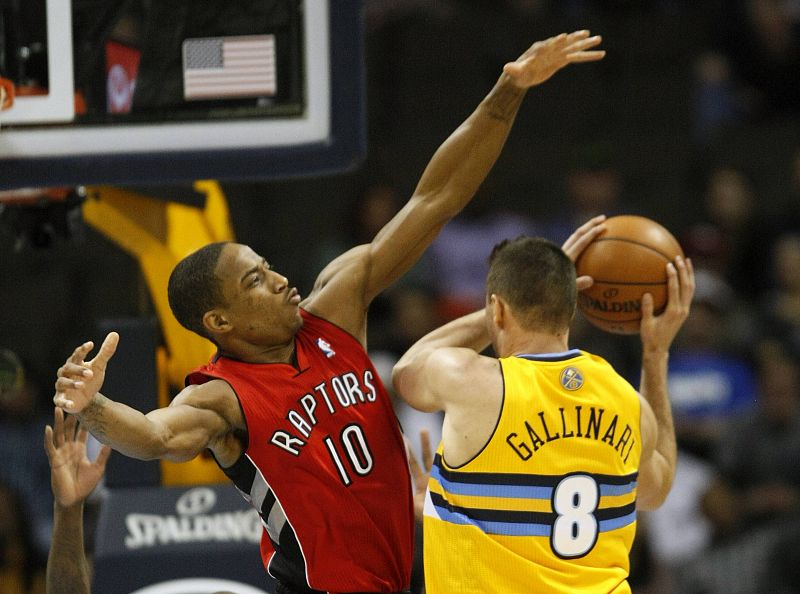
point(626, 261)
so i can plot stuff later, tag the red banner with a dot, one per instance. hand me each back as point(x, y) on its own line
point(122, 67)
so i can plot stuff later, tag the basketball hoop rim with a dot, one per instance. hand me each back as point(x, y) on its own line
point(7, 93)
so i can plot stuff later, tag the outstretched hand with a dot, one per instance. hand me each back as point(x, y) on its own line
point(658, 331)
point(544, 58)
point(79, 380)
point(421, 473)
point(72, 475)
point(579, 240)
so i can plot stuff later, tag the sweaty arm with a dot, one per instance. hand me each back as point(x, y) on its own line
point(177, 432)
point(194, 420)
point(449, 182)
point(659, 455)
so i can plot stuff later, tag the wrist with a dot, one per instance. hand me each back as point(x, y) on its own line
point(655, 354)
point(94, 404)
point(71, 509)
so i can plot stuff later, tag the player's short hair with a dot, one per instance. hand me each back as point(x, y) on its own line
point(537, 279)
point(194, 288)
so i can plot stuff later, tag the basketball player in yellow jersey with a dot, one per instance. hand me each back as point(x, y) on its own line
point(546, 452)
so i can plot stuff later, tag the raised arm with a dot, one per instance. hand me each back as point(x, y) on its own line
point(450, 180)
point(659, 456)
point(194, 419)
point(73, 477)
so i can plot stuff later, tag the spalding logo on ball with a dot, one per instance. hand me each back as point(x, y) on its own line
point(626, 261)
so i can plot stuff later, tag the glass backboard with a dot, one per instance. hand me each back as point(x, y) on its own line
point(140, 91)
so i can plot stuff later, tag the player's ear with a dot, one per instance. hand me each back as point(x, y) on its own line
point(215, 321)
point(498, 309)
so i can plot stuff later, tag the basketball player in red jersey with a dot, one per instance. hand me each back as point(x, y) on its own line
point(290, 406)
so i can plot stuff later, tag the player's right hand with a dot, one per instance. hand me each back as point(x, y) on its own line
point(78, 379)
point(544, 58)
point(658, 331)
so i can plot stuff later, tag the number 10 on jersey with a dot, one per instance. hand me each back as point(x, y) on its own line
point(353, 445)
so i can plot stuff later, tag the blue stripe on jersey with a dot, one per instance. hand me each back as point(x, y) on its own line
point(612, 490)
point(613, 517)
point(570, 354)
point(614, 523)
point(499, 528)
point(491, 490)
point(505, 523)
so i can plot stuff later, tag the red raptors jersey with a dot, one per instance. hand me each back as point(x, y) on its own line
point(325, 464)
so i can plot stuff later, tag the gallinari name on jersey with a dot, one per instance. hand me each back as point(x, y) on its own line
point(336, 393)
point(546, 426)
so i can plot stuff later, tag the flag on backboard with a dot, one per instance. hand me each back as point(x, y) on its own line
point(225, 67)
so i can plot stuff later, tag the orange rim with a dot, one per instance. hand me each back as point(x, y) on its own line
point(7, 87)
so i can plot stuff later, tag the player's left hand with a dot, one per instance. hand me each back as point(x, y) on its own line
point(544, 58)
point(658, 331)
point(579, 240)
point(72, 475)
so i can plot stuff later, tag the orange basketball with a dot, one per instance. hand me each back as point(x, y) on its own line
point(626, 261)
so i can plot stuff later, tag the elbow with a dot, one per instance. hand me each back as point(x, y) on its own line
point(407, 389)
point(653, 498)
point(399, 374)
point(649, 503)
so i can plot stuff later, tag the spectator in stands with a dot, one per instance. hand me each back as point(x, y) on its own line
point(458, 255)
point(717, 99)
point(732, 235)
point(780, 306)
point(757, 459)
point(23, 474)
point(754, 501)
point(761, 38)
point(593, 185)
point(16, 559)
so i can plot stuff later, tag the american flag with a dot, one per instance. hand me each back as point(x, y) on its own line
point(223, 67)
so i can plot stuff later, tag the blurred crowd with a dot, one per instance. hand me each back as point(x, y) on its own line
point(727, 154)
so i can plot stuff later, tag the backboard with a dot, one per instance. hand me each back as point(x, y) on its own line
point(136, 91)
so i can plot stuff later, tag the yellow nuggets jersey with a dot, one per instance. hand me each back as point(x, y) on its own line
point(548, 505)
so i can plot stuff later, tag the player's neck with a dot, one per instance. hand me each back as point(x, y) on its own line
point(527, 343)
point(255, 353)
